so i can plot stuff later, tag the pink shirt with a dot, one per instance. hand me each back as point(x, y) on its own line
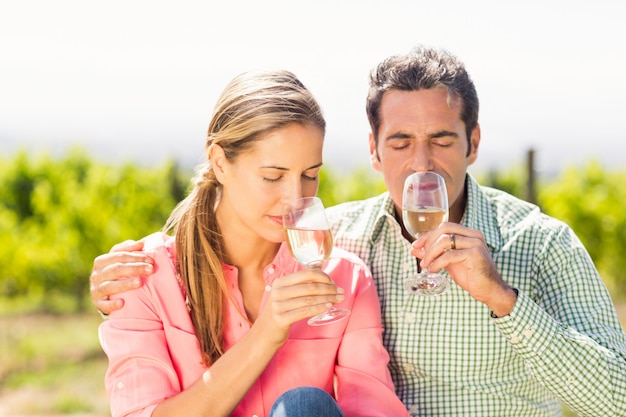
point(154, 353)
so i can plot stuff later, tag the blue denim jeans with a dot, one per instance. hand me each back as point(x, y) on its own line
point(305, 402)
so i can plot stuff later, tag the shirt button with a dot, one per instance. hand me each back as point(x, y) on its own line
point(268, 288)
point(528, 332)
point(413, 409)
point(271, 269)
point(515, 339)
point(120, 385)
point(409, 318)
point(408, 367)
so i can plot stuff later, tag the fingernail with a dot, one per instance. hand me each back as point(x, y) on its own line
point(148, 268)
point(340, 290)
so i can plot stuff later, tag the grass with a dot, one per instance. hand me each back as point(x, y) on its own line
point(53, 366)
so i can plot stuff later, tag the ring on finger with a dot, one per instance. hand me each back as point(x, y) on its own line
point(452, 241)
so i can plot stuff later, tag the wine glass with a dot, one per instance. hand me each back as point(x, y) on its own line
point(310, 243)
point(424, 207)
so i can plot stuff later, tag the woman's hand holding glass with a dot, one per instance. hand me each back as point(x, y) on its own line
point(295, 297)
point(308, 235)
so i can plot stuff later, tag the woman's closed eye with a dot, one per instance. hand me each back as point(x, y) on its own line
point(272, 179)
point(276, 179)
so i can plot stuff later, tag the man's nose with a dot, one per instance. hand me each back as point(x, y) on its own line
point(422, 161)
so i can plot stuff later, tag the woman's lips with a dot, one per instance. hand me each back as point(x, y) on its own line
point(276, 219)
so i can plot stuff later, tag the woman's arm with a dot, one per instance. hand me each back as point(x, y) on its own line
point(154, 358)
point(364, 386)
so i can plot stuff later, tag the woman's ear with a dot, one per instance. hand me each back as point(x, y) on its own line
point(217, 157)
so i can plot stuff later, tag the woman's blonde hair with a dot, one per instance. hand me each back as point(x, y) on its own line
point(251, 105)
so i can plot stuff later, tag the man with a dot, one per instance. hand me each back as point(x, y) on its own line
point(527, 322)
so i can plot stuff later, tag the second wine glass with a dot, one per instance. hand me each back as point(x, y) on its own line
point(310, 243)
point(424, 207)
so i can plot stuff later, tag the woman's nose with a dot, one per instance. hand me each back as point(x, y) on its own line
point(294, 193)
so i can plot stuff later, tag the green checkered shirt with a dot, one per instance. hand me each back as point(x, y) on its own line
point(449, 357)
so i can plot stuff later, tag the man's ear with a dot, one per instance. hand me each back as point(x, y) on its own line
point(216, 155)
point(374, 160)
point(474, 142)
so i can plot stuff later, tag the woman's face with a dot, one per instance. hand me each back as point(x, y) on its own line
point(282, 165)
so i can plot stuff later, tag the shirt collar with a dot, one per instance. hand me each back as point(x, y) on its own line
point(282, 264)
point(479, 214)
point(385, 210)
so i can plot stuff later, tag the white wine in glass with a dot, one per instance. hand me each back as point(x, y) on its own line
point(310, 243)
point(424, 208)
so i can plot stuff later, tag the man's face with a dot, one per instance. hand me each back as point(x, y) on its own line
point(421, 131)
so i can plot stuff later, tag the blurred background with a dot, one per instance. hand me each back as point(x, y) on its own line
point(104, 108)
point(138, 79)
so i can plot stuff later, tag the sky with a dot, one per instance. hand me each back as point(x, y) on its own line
point(137, 79)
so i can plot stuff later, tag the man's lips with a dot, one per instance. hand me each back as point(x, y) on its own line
point(424, 186)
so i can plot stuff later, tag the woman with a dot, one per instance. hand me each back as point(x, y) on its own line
point(219, 328)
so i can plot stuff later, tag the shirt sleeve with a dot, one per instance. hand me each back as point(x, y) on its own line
point(568, 333)
point(137, 338)
point(363, 385)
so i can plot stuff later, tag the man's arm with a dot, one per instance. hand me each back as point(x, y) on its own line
point(569, 334)
point(570, 337)
point(588, 375)
point(118, 271)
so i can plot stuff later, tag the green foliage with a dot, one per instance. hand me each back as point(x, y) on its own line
point(592, 201)
point(361, 183)
point(57, 216)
